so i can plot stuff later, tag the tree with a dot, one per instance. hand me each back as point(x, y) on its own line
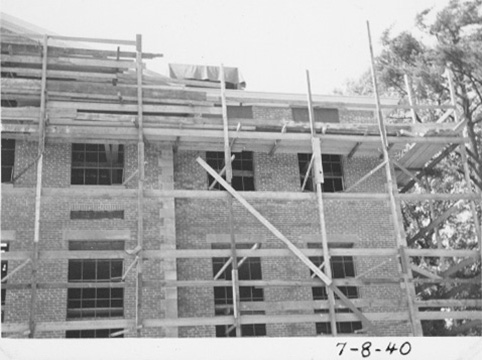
point(451, 38)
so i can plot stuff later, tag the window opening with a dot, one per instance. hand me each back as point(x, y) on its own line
point(332, 171)
point(321, 115)
point(95, 302)
point(8, 159)
point(4, 264)
point(341, 267)
point(243, 169)
point(96, 215)
point(342, 327)
point(240, 112)
point(223, 295)
point(247, 330)
point(94, 333)
point(97, 164)
point(9, 103)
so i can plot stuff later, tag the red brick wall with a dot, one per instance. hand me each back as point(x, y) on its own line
point(18, 214)
point(195, 219)
point(368, 220)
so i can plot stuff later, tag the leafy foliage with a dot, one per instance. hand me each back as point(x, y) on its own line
point(451, 38)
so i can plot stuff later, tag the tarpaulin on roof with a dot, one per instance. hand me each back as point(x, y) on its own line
point(206, 73)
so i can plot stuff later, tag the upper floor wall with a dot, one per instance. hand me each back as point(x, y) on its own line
point(277, 172)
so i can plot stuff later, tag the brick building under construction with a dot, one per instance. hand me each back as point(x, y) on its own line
point(114, 222)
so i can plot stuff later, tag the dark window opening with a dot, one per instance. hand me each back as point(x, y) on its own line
point(97, 333)
point(8, 159)
point(97, 164)
point(103, 245)
point(4, 264)
point(96, 215)
point(9, 103)
point(243, 169)
point(332, 172)
point(321, 115)
point(95, 302)
point(250, 269)
point(247, 330)
point(240, 112)
point(342, 327)
point(341, 267)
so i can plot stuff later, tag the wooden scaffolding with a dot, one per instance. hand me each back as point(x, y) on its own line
point(73, 92)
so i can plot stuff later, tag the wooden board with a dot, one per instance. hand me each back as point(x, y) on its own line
point(415, 158)
point(69, 62)
point(91, 106)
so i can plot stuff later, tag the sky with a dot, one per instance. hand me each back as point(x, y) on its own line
point(271, 42)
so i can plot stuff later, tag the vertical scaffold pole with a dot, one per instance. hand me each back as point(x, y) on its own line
point(394, 204)
point(411, 100)
point(38, 190)
point(318, 178)
point(229, 201)
point(140, 188)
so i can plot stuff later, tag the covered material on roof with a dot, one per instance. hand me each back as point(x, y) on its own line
point(207, 73)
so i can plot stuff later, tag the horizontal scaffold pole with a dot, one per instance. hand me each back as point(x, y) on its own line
point(50, 255)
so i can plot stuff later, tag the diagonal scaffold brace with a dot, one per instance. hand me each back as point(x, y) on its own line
point(297, 252)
